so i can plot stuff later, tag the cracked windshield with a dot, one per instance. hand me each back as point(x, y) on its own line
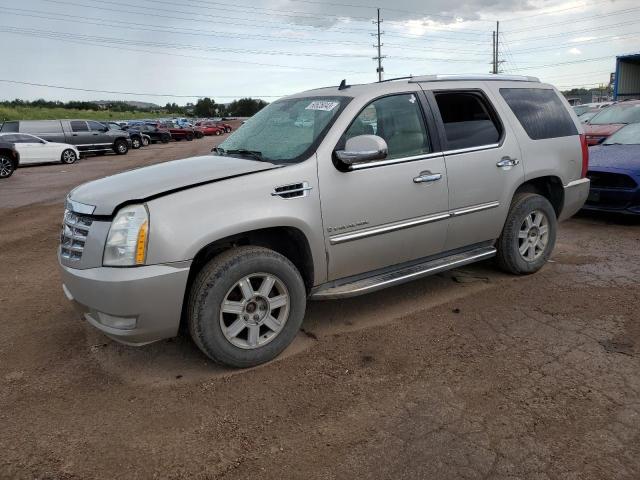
point(284, 131)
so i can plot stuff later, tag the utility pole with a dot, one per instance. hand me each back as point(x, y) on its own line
point(379, 58)
point(497, 65)
point(494, 65)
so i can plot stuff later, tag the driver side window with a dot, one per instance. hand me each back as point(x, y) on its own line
point(398, 120)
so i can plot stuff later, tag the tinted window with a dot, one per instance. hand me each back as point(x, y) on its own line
point(41, 126)
point(540, 112)
point(78, 126)
point(97, 126)
point(9, 138)
point(469, 120)
point(26, 139)
point(398, 119)
point(9, 127)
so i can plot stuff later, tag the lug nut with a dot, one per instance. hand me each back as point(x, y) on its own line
point(256, 317)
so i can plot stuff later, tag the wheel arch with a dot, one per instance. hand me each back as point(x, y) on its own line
point(549, 186)
point(289, 241)
point(14, 155)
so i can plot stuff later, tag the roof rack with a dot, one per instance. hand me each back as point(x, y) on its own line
point(444, 78)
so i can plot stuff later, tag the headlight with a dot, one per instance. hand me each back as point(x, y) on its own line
point(127, 240)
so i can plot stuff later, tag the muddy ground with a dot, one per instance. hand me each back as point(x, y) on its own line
point(465, 375)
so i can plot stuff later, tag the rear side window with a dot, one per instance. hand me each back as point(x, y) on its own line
point(469, 120)
point(9, 127)
point(41, 126)
point(540, 112)
point(78, 126)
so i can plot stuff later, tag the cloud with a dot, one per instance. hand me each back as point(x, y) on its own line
point(575, 51)
point(582, 39)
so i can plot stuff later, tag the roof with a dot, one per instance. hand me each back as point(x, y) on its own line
point(358, 89)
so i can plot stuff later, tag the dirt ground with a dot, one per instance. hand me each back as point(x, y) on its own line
point(466, 375)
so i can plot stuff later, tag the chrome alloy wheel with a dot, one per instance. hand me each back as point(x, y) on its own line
point(254, 310)
point(533, 235)
point(69, 156)
point(6, 167)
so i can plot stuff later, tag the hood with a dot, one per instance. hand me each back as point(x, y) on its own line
point(143, 183)
point(602, 130)
point(621, 157)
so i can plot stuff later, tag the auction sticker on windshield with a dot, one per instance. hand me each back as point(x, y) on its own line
point(322, 105)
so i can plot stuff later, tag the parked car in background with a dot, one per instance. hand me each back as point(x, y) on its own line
point(178, 133)
point(586, 117)
point(87, 136)
point(458, 170)
point(34, 149)
point(154, 132)
point(9, 158)
point(614, 171)
point(590, 107)
point(227, 128)
point(611, 119)
point(137, 138)
point(209, 128)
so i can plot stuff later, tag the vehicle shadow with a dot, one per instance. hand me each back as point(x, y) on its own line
point(178, 360)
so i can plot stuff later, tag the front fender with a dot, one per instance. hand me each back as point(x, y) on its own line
point(184, 222)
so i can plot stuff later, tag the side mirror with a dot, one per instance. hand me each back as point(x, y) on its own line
point(363, 148)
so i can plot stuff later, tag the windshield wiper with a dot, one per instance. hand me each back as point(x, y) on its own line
point(255, 154)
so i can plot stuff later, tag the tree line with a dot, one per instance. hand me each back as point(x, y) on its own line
point(204, 107)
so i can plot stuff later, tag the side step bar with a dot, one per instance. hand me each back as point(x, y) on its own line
point(402, 275)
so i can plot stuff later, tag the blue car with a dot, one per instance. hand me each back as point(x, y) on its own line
point(614, 170)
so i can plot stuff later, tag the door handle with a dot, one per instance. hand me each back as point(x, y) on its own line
point(427, 177)
point(507, 162)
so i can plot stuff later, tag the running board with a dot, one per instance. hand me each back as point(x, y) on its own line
point(402, 275)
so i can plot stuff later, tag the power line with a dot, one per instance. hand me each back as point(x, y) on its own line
point(217, 59)
point(161, 29)
point(139, 94)
point(552, 12)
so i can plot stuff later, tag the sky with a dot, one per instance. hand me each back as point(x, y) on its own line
point(177, 51)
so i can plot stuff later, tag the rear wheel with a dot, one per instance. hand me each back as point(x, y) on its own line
point(228, 129)
point(218, 132)
point(166, 139)
point(246, 306)
point(120, 147)
point(7, 167)
point(146, 141)
point(528, 236)
point(189, 137)
point(68, 156)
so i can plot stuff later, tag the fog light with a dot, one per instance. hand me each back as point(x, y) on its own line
point(122, 323)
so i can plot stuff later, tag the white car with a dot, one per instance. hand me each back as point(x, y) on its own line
point(34, 149)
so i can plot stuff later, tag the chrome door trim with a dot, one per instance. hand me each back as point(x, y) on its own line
point(474, 209)
point(381, 163)
point(471, 149)
point(386, 228)
point(412, 222)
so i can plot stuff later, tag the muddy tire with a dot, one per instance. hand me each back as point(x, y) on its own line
point(245, 306)
point(528, 236)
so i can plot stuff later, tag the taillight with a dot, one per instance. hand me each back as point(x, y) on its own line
point(585, 155)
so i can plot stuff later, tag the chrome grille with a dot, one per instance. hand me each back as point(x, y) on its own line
point(75, 229)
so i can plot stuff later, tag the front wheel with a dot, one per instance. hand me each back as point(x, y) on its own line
point(120, 147)
point(7, 167)
point(246, 306)
point(136, 143)
point(68, 156)
point(528, 236)
point(189, 137)
point(146, 141)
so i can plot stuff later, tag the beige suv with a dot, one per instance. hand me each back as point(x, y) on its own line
point(325, 194)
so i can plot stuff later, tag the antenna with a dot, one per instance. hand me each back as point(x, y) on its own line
point(343, 85)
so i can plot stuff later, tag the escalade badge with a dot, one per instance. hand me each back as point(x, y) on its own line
point(347, 226)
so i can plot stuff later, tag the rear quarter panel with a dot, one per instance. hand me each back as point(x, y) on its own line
point(182, 223)
point(560, 157)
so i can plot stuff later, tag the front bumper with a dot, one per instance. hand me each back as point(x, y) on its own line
point(152, 295)
point(575, 195)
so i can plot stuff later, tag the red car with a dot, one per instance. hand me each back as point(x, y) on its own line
point(208, 128)
point(227, 128)
point(611, 119)
point(178, 133)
